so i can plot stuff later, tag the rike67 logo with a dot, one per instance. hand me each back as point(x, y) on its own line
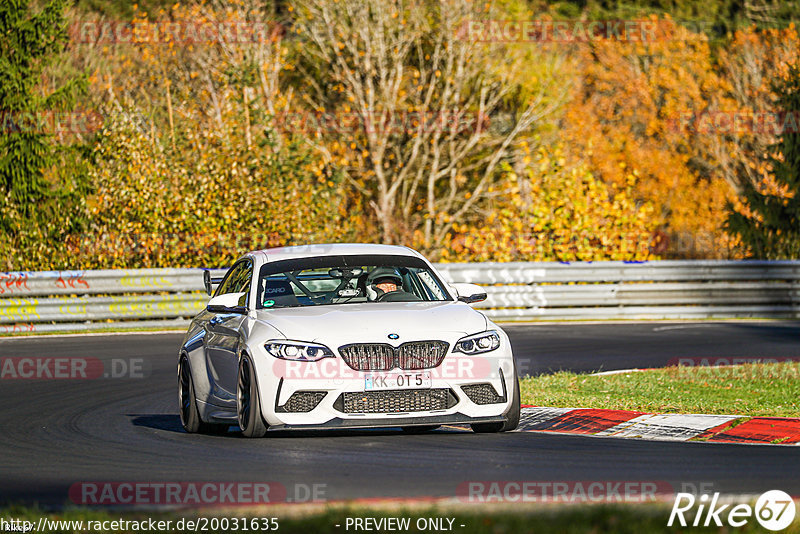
point(774, 510)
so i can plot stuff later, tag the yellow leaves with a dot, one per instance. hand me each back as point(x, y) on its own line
point(568, 214)
point(163, 199)
point(544, 165)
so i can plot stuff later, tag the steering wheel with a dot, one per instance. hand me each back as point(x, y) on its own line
point(398, 296)
point(382, 296)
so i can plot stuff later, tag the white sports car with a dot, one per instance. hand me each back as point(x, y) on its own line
point(343, 336)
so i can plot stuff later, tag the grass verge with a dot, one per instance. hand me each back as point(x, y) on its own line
point(757, 389)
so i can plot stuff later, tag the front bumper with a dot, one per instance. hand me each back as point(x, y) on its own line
point(327, 394)
point(454, 419)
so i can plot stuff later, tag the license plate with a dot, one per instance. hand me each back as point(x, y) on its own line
point(383, 381)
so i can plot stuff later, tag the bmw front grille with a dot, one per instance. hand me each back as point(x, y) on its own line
point(410, 356)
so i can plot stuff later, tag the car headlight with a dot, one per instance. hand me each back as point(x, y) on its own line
point(298, 350)
point(478, 343)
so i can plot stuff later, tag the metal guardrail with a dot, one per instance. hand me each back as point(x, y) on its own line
point(155, 298)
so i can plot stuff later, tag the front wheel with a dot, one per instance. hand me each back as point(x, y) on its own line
point(190, 415)
point(512, 414)
point(248, 405)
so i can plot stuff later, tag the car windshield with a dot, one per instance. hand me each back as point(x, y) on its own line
point(326, 280)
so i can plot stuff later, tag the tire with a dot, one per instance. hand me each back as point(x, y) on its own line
point(248, 404)
point(512, 414)
point(419, 429)
point(187, 404)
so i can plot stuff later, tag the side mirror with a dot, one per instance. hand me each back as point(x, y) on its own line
point(228, 303)
point(469, 293)
point(210, 281)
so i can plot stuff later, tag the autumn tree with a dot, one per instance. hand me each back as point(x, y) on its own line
point(189, 169)
point(430, 114)
point(634, 110)
point(153, 210)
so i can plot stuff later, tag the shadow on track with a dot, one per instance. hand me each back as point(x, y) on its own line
point(166, 421)
point(172, 423)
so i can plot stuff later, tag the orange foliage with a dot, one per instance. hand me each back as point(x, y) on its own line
point(625, 117)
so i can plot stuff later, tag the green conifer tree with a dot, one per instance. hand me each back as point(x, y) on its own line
point(29, 43)
point(772, 230)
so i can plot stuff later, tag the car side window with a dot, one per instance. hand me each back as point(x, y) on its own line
point(225, 287)
point(237, 279)
point(242, 283)
point(434, 291)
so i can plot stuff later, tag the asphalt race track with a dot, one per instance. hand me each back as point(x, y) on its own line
point(607, 347)
point(56, 433)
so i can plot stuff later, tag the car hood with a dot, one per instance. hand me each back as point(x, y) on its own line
point(373, 322)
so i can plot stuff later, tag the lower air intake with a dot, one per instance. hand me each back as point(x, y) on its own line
point(302, 401)
point(482, 394)
point(398, 401)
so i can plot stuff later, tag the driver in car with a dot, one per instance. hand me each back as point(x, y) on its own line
point(385, 280)
point(387, 284)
